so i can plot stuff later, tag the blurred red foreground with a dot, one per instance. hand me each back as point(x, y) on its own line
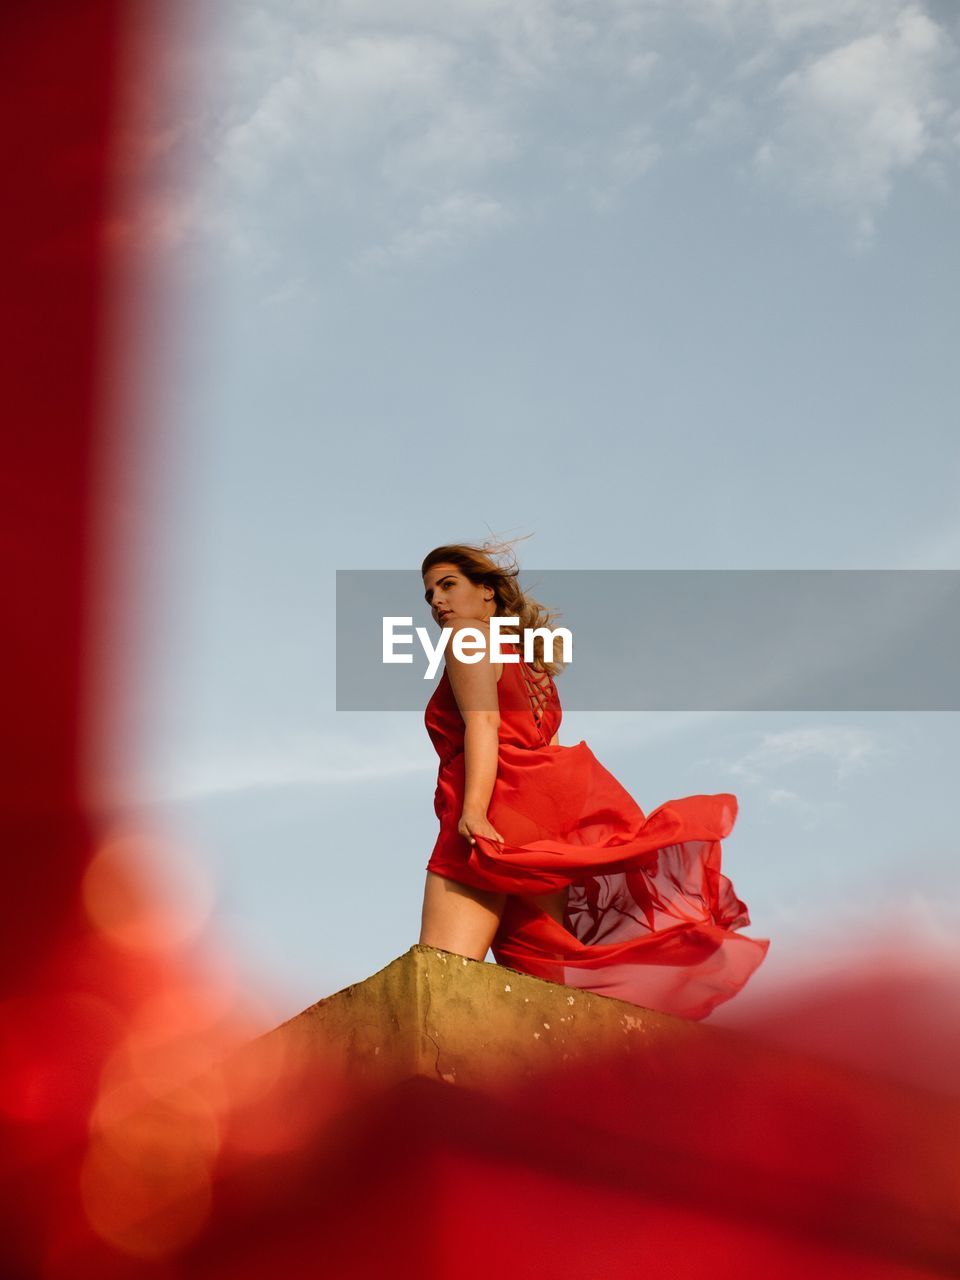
point(116, 1162)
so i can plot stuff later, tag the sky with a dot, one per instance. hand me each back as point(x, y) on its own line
point(648, 284)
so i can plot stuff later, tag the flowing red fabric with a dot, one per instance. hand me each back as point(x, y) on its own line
point(650, 917)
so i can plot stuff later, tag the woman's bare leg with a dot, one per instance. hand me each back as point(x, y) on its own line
point(456, 917)
point(554, 904)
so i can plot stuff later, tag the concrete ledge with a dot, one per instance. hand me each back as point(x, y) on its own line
point(640, 1095)
point(436, 1014)
point(378, 1102)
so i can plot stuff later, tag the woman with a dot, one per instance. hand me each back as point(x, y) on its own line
point(542, 855)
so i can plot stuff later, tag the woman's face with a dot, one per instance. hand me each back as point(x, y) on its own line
point(450, 594)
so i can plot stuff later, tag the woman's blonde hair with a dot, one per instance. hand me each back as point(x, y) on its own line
point(482, 566)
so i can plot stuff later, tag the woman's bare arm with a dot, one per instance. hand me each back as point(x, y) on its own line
point(474, 687)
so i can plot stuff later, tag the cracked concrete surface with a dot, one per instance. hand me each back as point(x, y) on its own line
point(435, 1019)
point(436, 1014)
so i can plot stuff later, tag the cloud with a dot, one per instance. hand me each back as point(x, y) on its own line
point(726, 119)
point(621, 165)
point(380, 133)
point(788, 755)
point(847, 749)
point(786, 22)
point(440, 227)
point(856, 116)
point(291, 760)
point(337, 98)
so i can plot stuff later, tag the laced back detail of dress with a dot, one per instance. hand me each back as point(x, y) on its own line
point(537, 686)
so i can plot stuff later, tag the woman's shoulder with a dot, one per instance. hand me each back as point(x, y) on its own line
point(457, 627)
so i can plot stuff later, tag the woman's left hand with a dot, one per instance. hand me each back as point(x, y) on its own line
point(472, 825)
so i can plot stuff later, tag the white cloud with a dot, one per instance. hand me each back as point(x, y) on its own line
point(363, 120)
point(787, 21)
point(337, 98)
point(291, 760)
point(782, 761)
point(783, 796)
point(856, 116)
point(632, 155)
point(726, 118)
point(846, 749)
point(465, 140)
point(440, 227)
point(618, 730)
point(606, 172)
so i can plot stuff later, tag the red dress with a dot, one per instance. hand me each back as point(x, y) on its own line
point(650, 918)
